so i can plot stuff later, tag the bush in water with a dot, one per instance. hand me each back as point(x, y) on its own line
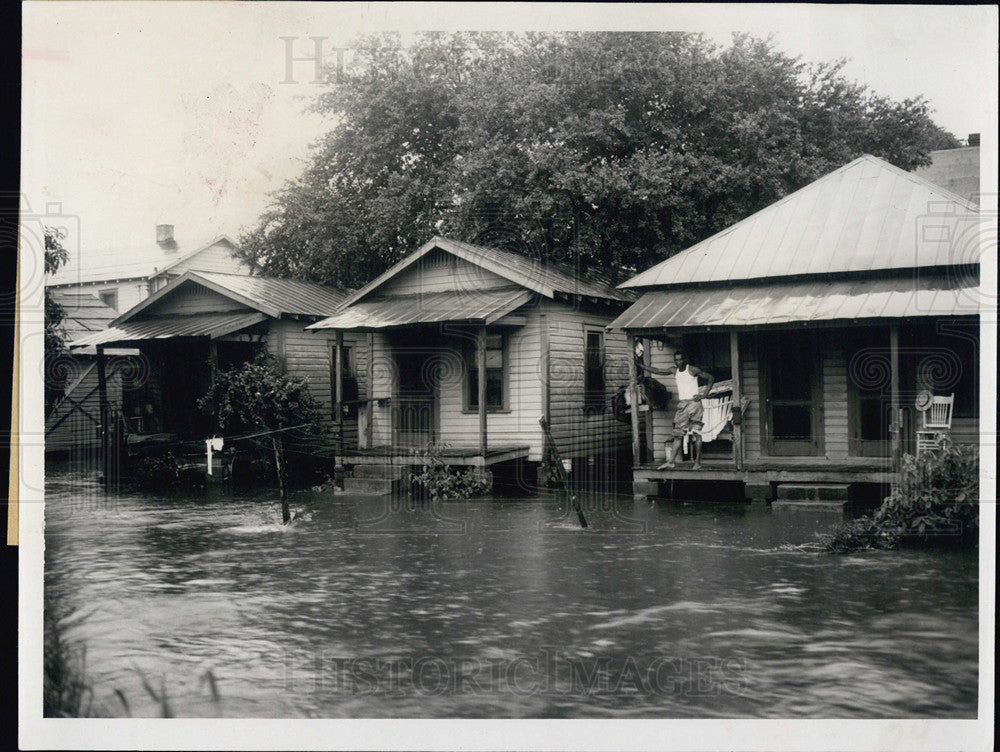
point(157, 471)
point(440, 481)
point(935, 501)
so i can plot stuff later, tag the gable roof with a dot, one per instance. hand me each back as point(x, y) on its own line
point(864, 216)
point(272, 296)
point(545, 278)
point(128, 262)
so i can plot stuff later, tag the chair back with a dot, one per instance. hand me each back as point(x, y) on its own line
point(938, 415)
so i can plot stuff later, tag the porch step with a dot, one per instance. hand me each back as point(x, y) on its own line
point(382, 471)
point(372, 486)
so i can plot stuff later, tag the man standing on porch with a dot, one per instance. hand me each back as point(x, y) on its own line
point(689, 409)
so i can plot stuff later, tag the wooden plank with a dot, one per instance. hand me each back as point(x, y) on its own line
point(370, 407)
point(339, 391)
point(650, 437)
point(734, 359)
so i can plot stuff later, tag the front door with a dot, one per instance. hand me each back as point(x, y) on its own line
point(792, 394)
point(415, 410)
point(869, 406)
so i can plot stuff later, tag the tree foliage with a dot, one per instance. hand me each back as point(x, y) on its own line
point(611, 150)
point(55, 336)
point(258, 396)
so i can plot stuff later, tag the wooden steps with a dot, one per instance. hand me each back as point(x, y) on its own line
point(376, 480)
point(811, 495)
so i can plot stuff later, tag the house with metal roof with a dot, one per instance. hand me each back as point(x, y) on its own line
point(123, 276)
point(471, 346)
point(826, 314)
point(203, 321)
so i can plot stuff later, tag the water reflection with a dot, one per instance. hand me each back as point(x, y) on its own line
point(504, 608)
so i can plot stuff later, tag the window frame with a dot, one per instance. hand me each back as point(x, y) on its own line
point(470, 351)
point(348, 371)
point(590, 405)
point(113, 293)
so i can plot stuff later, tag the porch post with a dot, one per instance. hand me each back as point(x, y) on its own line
point(370, 407)
point(647, 357)
point(633, 386)
point(894, 422)
point(338, 393)
point(481, 371)
point(734, 359)
point(102, 392)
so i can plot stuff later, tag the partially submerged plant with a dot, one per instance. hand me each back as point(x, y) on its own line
point(439, 480)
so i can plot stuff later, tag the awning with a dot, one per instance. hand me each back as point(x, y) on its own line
point(211, 325)
point(479, 307)
point(909, 296)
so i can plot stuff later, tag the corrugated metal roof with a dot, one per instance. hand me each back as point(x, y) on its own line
point(136, 261)
point(289, 296)
point(483, 306)
point(865, 216)
point(789, 302)
point(84, 312)
point(168, 327)
point(270, 295)
point(543, 277)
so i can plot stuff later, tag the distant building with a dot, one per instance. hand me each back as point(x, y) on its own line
point(955, 170)
point(122, 277)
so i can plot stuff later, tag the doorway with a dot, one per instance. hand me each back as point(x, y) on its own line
point(792, 389)
point(415, 412)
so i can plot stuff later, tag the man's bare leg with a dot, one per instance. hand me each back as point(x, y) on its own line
point(696, 451)
point(671, 452)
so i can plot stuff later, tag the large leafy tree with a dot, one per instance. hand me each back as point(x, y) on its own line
point(609, 150)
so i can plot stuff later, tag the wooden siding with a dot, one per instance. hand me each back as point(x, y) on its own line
point(193, 298)
point(130, 292)
point(215, 258)
point(834, 415)
point(68, 428)
point(439, 271)
point(578, 433)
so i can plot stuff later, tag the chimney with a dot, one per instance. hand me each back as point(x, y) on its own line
point(973, 139)
point(165, 237)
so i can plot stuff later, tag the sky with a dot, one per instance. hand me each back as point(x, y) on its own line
point(138, 113)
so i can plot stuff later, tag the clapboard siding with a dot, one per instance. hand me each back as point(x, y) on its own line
point(439, 272)
point(75, 426)
point(216, 258)
point(835, 419)
point(130, 292)
point(578, 433)
point(192, 299)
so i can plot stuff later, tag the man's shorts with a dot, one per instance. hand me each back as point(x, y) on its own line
point(688, 417)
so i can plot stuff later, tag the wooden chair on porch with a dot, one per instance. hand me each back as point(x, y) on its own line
point(936, 423)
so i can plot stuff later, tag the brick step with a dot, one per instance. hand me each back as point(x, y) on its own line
point(373, 486)
point(806, 492)
point(385, 472)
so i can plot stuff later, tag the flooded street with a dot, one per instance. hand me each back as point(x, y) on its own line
point(501, 608)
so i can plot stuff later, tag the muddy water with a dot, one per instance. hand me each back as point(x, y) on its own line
point(503, 608)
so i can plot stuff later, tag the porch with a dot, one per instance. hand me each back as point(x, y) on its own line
point(450, 455)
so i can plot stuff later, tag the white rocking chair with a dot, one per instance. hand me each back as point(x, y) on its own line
point(936, 423)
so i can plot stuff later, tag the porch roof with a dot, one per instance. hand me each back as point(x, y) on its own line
point(804, 302)
point(211, 325)
point(479, 307)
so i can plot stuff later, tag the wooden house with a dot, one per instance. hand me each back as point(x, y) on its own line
point(471, 346)
point(122, 277)
point(203, 320)
point(830, 310)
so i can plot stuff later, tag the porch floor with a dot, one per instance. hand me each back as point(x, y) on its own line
point(453, 455)
point(775, 469)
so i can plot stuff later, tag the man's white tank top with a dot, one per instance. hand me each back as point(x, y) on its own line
point(687, 383)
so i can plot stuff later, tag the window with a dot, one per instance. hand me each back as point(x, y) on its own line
point(593, 372)
point(110, 298)
point(348, 382)
point(496, 374)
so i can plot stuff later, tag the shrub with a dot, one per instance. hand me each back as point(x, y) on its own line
point(438, 480)
point(157, 472)
point(935, 500)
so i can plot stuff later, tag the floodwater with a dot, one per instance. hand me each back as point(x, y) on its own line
point(501, 608)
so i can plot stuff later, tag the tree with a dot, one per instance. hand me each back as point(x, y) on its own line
point(55, 345)
point(608, 150)
point(258, 398)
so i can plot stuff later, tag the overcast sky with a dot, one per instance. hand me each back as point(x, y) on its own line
point(137, 113)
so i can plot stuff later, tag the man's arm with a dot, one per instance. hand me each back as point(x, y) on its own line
point(708, 377)
point(668, 371)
